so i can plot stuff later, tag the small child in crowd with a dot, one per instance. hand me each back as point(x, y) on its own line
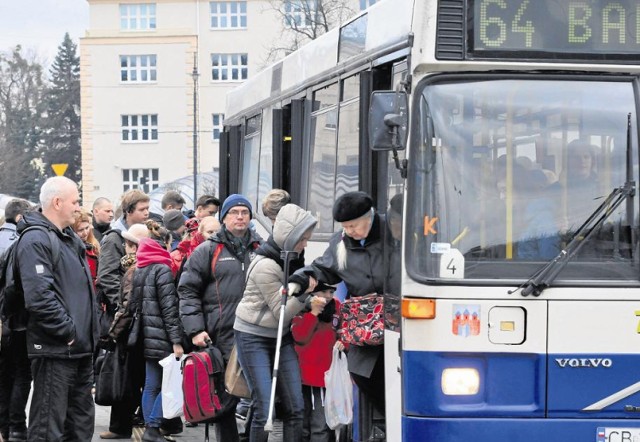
point(315, 334)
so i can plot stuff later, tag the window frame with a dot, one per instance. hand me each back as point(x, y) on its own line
point(228, 15)
point(133, 12)
point(150, 127)
point(151, 68)
point(142, 173)
point(225, 67)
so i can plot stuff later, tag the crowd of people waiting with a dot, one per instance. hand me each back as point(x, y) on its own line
point(204, 276)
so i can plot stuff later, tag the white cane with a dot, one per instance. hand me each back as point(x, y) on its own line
point(287, 256)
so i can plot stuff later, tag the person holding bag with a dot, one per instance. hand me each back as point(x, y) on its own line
point(161, 327)
point(257, 323)
point(315, 337)
point(355, 256)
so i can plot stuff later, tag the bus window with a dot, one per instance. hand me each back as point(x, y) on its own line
point(508, 170)
point(348, 147)
point(251, 159)
point(322, 173)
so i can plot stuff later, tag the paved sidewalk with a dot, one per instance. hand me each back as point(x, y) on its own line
point(192, 434)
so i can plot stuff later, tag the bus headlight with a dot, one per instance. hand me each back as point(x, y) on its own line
point(460, 381)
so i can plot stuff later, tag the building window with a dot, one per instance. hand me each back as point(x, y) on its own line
point(229, 67)
point(218, 119)
point(138, 68)
point(300, 13)
point(143, 179)
point(138, 16)
point(228, 15)
point(139, 128)
point(364, 4)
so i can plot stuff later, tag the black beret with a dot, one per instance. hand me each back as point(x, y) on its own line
point(351, 205)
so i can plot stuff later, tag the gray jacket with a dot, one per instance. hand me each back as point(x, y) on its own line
point(259, 311)
point(8, 235)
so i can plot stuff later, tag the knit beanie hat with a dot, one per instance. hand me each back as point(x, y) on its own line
point(233, 201)
point(173, 219)
point(351, 205)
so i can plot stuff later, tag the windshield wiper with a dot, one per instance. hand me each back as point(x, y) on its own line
point(549, 272)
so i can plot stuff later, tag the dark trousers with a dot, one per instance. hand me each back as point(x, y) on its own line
point(15, 382)
point(373, 386)
point(256, 355)
point(226, 428)
point(314, 425)
point(62, 407)
point(121, 418)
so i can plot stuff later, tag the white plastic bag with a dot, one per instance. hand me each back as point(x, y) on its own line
point(172, 399)
point(338, 402)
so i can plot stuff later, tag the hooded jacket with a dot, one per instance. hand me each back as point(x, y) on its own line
point(109, 270)
point(259, 311)
point(161, 326)
point(58, 296)
point(208, 301)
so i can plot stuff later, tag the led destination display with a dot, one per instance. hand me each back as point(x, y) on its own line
point(599, 29)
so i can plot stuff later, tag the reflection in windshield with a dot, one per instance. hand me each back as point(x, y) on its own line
point(505, 171)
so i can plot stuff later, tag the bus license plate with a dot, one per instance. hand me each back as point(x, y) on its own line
point(607, 434)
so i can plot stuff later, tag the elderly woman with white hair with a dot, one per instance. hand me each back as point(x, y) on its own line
point(355, 256)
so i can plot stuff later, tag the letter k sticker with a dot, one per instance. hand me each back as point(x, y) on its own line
point(429, 225)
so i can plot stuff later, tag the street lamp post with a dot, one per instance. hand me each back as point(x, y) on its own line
point(195, 75)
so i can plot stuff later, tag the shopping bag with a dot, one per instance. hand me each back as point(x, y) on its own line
point(234, 379)
point(172, 399)
point(362, 320)
point(113, 381)
point(338, 401)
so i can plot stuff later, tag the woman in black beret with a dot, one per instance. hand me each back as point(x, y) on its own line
point(355, 256)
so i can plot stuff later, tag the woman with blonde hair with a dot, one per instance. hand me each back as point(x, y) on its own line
point(83, 226)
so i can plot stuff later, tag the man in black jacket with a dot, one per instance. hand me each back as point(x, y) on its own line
point(62, 325)
point(208, 300)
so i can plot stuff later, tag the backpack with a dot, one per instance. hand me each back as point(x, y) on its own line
point(205, 398)
point(11, 295)
point(128, 311)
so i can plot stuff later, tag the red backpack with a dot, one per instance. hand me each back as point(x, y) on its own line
point(205, 398)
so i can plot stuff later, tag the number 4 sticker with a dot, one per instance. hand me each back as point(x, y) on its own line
point(452, 264)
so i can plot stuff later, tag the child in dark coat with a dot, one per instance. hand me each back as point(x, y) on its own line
point(315, 334)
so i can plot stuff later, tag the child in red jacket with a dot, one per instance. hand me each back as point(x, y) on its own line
point(315, 334)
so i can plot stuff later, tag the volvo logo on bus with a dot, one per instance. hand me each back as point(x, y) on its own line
point(584, 362)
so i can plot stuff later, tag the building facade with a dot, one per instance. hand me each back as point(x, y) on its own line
point(154, 78)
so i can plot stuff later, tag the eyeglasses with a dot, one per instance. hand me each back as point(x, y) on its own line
point(243, 213)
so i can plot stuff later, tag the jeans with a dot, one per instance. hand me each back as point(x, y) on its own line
point(257, 355)
point(315, 428)
point(62, 407)
point(15, 382)
point(151, 397)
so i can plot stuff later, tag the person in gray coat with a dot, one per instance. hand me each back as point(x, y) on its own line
point(355, 256)
point(256, 326)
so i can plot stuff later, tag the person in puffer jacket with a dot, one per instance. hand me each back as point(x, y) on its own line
point(161, 327)
point(256, 325)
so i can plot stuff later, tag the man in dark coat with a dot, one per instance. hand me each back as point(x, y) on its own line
point(62, 324)
point(355, 256)
point(208, 301)
point(102, 213)
point(15, 375)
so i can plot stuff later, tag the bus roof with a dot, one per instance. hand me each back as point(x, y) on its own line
point(320, 56)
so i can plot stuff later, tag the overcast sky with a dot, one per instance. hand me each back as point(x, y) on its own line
point(39, 25)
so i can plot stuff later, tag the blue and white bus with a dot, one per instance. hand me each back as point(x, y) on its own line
point(510, 127)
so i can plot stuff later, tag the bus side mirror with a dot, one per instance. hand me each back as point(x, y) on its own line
point(388, 120)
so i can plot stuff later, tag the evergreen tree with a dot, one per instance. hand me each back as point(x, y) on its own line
point(62, 133)
point(21, 87)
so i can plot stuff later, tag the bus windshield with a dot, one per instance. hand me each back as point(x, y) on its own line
point(503, 172)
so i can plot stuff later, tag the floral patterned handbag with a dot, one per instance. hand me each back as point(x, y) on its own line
point(362, 320)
